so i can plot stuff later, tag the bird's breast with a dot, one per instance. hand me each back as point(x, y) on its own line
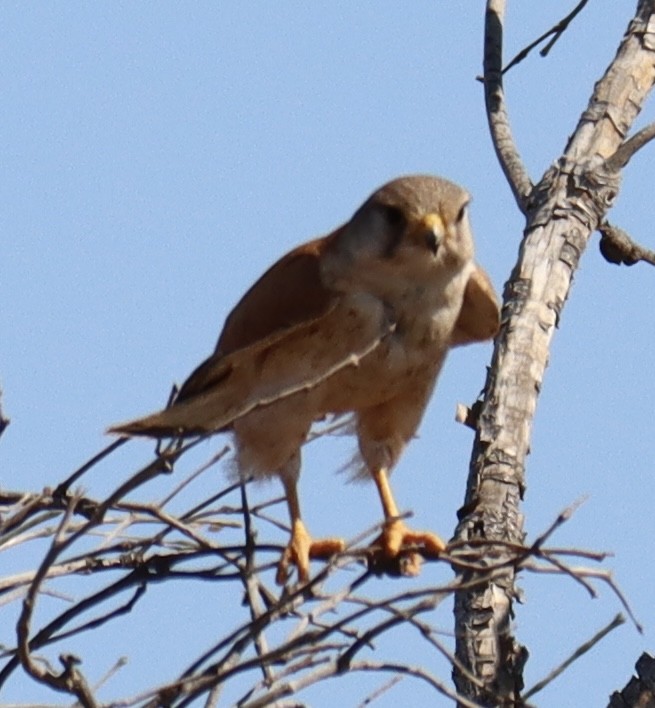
point(412, 354)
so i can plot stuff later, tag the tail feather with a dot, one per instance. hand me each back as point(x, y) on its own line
point(209, 412)
point(226, 388)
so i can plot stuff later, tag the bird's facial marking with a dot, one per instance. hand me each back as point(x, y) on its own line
point(395, 223)
point(376, 230)
point(411, 232)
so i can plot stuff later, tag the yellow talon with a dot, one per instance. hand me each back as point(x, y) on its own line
point(301, 549)
point(396, 536)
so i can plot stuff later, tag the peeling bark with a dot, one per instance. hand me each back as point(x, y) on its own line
point(562, 211)
point(639, 692)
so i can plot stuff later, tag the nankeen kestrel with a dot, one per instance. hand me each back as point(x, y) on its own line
point(359, 321)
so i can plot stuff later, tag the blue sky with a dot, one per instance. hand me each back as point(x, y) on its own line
point(157, 157)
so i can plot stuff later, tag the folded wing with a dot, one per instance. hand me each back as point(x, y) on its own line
point(289, 333)
point(479, 318)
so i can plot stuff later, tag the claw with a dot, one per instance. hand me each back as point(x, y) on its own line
point(396, 535)
point(390, 554)
point(301, 549)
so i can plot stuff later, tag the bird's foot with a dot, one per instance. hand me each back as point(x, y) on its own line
point(301, 549)
point(400, 551)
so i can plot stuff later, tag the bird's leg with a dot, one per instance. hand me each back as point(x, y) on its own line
point(395, 533)
point(301, 547)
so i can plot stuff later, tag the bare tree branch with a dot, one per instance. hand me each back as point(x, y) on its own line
point(386, 686)
point(580, 651)
point(618, 248)
point(277, 642)
point(556, 31)
point(156, 545)
point(629, 148)
point(497, 115)
point(567, 205)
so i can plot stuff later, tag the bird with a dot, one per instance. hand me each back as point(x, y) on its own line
point(357, 322)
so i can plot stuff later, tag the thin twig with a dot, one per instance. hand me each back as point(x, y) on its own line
point(557, 31)
point(63, 487)
point(251, 584)
point(384, 688)
point(323, 634)
point(70, 680)
point(196, 473)
point(582, 649)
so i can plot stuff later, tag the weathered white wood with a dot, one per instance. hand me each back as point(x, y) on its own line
point(563, 210)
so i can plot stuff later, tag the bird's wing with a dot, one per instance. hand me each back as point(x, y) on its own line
point(479, 317)
point(289, 294)
point(269, 351)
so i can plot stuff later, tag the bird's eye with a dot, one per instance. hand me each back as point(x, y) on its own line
point(462, 213)
point(394, 216)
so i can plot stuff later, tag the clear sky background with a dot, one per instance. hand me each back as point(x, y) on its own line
point(157, 157)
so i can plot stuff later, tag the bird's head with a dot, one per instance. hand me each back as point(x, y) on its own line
point(413, 229)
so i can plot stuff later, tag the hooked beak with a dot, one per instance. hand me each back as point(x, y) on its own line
point(430, 230)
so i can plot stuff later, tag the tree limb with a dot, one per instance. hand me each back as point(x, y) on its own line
point(497, 115)
point(566, 207)
point(618, 248)
point(629, 148)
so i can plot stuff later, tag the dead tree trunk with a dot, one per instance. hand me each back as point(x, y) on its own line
point(562, 211)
